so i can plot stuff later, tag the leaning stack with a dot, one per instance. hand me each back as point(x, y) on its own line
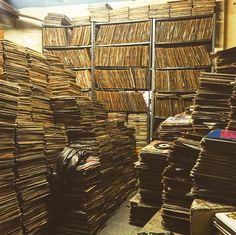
point(139, 122)
point(177, 184)
point(211, 105)
point(216, 183)
point(38, 72)
point(10, 214)
point(78, 194)
point(15, 69)
point(31, 172)
point(153, 160)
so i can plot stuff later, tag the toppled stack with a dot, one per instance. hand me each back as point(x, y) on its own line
point(177, 184)
point(78, 194)
point(232, 117)
point(38, 72)
point(211, 105)
point(173, 127)
point(15, 69)
point(226, 61)
point(61, 81)
point(31, 184)
point(55, 141)
point(9, 215)
point(140, 123)
point(216, 183)
point(153, 160)
point(56, 19)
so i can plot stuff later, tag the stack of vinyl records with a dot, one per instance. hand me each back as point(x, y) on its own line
point(216, 183)
point(139, 123)
point(31, 172)
point(10, 222)
point(226, 61)
point(38, 71)
point(173, 127)
point(224, 223)
point(211, 105)
point(232, 118)
point(78, 193)
point(60, 80)
point(55, 141)
point(177, 184)
point(15, 69)
point(153, 160)
point(117, 116)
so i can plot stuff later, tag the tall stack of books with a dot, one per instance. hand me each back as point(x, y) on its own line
point(177, 183)
point(216, 183)
point(31, 177)
point(10, 221)
point(211, 104)
point(15, 69)
point(153, 160)
point(38, 72)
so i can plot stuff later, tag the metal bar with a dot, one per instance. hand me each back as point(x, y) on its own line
point(121, 22)
point(183, 42)
point(93, 60)
point(184, 17)
point(124, 44)
point(66, 47)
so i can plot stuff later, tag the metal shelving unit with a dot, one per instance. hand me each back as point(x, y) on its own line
point(155, 44)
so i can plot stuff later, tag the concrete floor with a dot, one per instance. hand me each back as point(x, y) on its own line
point(118, 224)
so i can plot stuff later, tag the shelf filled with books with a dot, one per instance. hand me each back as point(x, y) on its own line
point(181, 52)
point(122, 72)
point(73, 44)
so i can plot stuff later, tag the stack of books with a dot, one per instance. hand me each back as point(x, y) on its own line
point(159, 11)
point(211, 104)
point(174, 127)
point(15, 69)
point(31, 177)
point(216, 183)
point(122, 101)
point(177, 183)
point(153, 160)
point(80, 20)
point(203, 7)
point(38, 72)
point(56, 19)
point(180, 8)
point(119, 14)
point(10, 221)
point(140, 124)
point(136, 13)
point(100, 12)
point(61, 81)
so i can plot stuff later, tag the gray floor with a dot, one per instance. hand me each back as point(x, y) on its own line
point(118, 224)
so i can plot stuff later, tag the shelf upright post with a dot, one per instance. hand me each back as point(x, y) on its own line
point(153, 75)
point(93, 38)
point(213, 40)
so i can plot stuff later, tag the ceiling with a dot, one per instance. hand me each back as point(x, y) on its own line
point(45, 3)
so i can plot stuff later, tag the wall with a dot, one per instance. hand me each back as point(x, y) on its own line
point(230, 24)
